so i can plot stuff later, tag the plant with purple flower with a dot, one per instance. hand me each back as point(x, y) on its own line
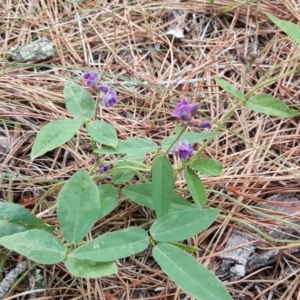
point(185, 111)
point(94, 200)
point(184, 149)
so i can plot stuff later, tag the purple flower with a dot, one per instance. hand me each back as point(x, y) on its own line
point(90, 78)
point(205, 124)
point(200, 124)
point(184, 111)
point(103, 90)
point(184, 149)
point(104, 168)
point(109, 97)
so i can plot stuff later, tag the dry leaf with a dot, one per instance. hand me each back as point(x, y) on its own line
point(176, 21)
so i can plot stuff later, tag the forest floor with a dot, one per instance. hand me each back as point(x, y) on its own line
point(127, 43)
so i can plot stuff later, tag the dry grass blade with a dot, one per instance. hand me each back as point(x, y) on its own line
point(126, 42)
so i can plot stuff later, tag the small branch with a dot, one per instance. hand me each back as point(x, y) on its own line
point(11, 277)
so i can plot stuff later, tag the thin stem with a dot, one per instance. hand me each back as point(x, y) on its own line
point(54, 187)
point(264, 235)
point(267, 216)
point(177, 138)
point(263, 82)
point(94, 144)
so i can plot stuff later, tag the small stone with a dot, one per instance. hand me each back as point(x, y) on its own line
point(36, 51)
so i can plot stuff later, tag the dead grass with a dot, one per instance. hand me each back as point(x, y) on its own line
point(125, 42)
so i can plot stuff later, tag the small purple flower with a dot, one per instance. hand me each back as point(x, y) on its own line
point(90, 78)
point(184, 111)
point(184, 149)
point(110, 98)
point(103, 90)
point(200, 124)
point(205, 124)
point(104, 168)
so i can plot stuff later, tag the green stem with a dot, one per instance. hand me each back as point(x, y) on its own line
point(94, 144)
point(264, 235)
point(263, 82)
point(54, 187)
point(257, 212)
point(177, 138)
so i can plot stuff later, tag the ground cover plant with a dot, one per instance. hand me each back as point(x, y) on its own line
point(104, 182)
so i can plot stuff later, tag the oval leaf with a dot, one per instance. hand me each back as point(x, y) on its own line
point(189, 274)
point(78, 206)
point(109, 197)
point(142, 195)
point(53, 135)
point(90, 269)
point(178, 226)
point(208, 166)
point(178, 203)
point(79, 102)
point(191, 137)
point(15, 218)
point(289, 28)
point(131, 146)
point(266, 104)
point(162, 185)
point(113, 245)
point(229, 88)
point(38, 245)
point(103, 133)
point(196, 187)
point(127, 168)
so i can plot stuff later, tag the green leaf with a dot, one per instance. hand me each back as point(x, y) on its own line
point(189, 274)
point(53, 135)
point(38, 245)
point(103, 133)
point(162, 185)
point(109, 197)
point(181, 225)
point(289, 28)
point(208, 166)
point(123, 176)
point(179, 203)
point(90, 269)
point(142, 195)
point(229, 88)
point(113, 245)
point(127, 166)
point(196, 187)
point(79, 102)
point(15, 218)
point(137, 146)
point(191, 137)
point(266, 104)
point(78, 206)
